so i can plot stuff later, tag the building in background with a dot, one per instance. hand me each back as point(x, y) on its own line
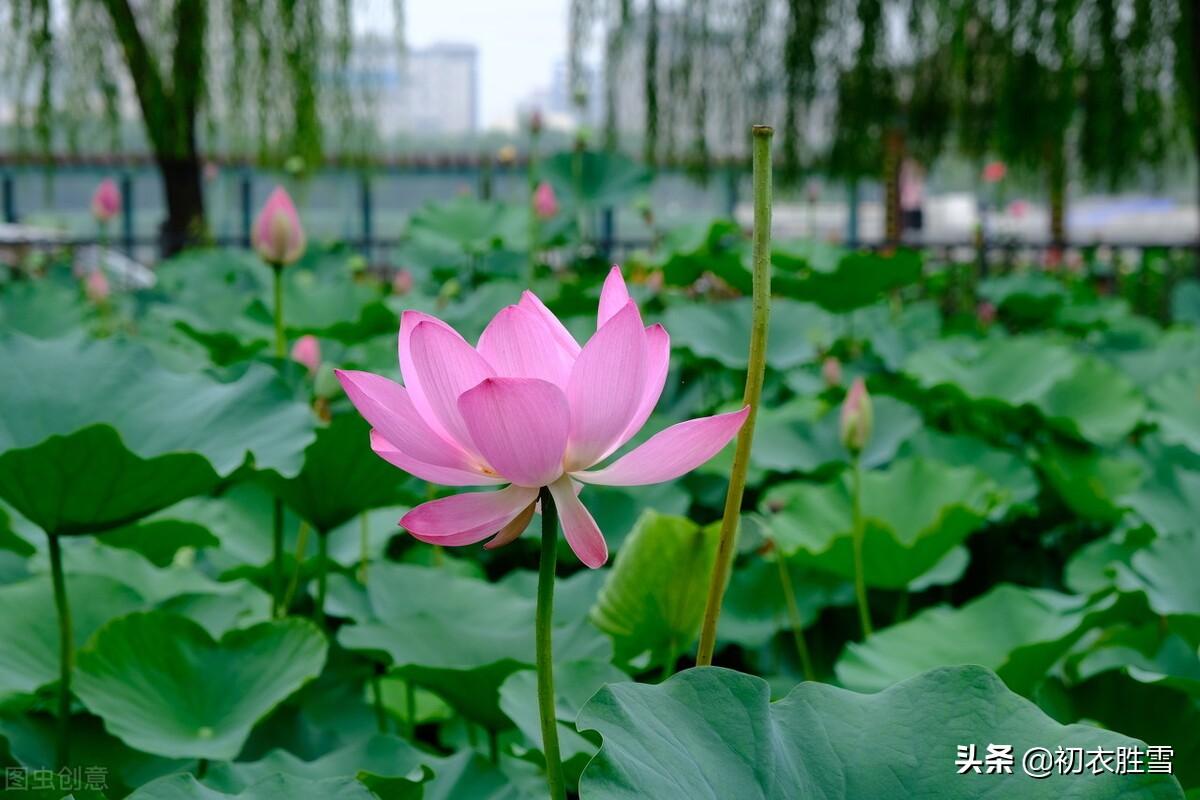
point(419, 91)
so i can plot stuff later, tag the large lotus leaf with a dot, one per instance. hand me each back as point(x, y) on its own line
point(1169, 499)
point(653, 598)
point(1015, 477)
point(1083, 395)
point(276, 787)
point(33, 741)
point(88, 482)
point(1028, 297)
point(1165, 571)
point(860, 279)
point(411, 609)
point(713, 733)
point(1092, 568)
point(1016, 631)
point(381, 755)
point(595, 179)
point(721, 331)
point(799, 436)
point(341, 476)
point(574, 684)
point(755, 609)
point(29, 658)
point(915, 512)
point(470, 225)
point(44, 308)
point(1095, 402)
point(163, 685)
point(1092, 484)
point(1145, 654)
point(60, 386)
point(1185, 302)
point(719, 247)
point(1147, 360)
point(160, 541)
point(893, 335)
point(1176, 402)
point(1011, 371)
point(468, 775)
point(242, 521)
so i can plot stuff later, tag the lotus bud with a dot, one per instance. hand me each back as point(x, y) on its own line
point(831, 372)
point(278, 236)
point(545, 204)
point(994, 171)
point(857, 418)
point(96, 287)
point(985, 312)
point(402, 283)
point(106, 201)
point(307, 351)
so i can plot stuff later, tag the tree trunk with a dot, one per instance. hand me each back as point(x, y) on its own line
point(1058, 199)
point(182, 187)
point(893, 155)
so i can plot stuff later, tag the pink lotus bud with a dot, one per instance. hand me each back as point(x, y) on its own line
point(994, 171)
point(857, 417)
point(307, 351)
point(545, 204)
point(96, 287)
point(106, 201)
point(831, 372)
point(278, 235)
point(402, 283)
point(985, 312)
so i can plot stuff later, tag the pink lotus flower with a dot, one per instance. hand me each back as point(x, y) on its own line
point(985, 312)
point(402, 283)
point(307, 351)
point(831, 372)
point(528, 407)
point(857, 417)
point(106, 201)
point(994, 171)
point(96, 286)
point(278, 235)
point(545, 204)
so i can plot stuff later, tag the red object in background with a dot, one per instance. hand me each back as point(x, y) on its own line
point(994, 171)
point(1018, 208)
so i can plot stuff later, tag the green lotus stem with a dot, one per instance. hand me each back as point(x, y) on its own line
point(279, 608)
point(301, 548)
point(365, 557)
point(761, 158)
point(280, 338)
point(858, 533)
point(789, 597)
point(66, 647)
point(377, 702)
point(322, 573)
point(545, 653)
point(277, 605)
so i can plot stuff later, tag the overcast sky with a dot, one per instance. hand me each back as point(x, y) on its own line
point(519, 42)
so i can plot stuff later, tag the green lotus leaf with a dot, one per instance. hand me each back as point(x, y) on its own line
point(341, 476)
point(1165, 571)
point(1016, 631)
point(1175, 399)
point(465, 224)
point(721, 332)
point(412, 607)
point(276, 787)
point(797, 437)
point(1015, 477)
point(860, 279)
point(1185, 301)
point(712, 732)
point(43, 308)
point(754, 609)
point(29, 658)
point(1093, 484)
point(574, 684)
point(653, 597)
point(915, 512)
point(381, 755)
point(163, 685)
point(594, 179)
point(1027, 297)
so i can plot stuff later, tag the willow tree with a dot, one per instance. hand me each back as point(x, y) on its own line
point(253, 77)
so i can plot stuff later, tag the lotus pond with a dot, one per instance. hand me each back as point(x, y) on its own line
point(1024, 519)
